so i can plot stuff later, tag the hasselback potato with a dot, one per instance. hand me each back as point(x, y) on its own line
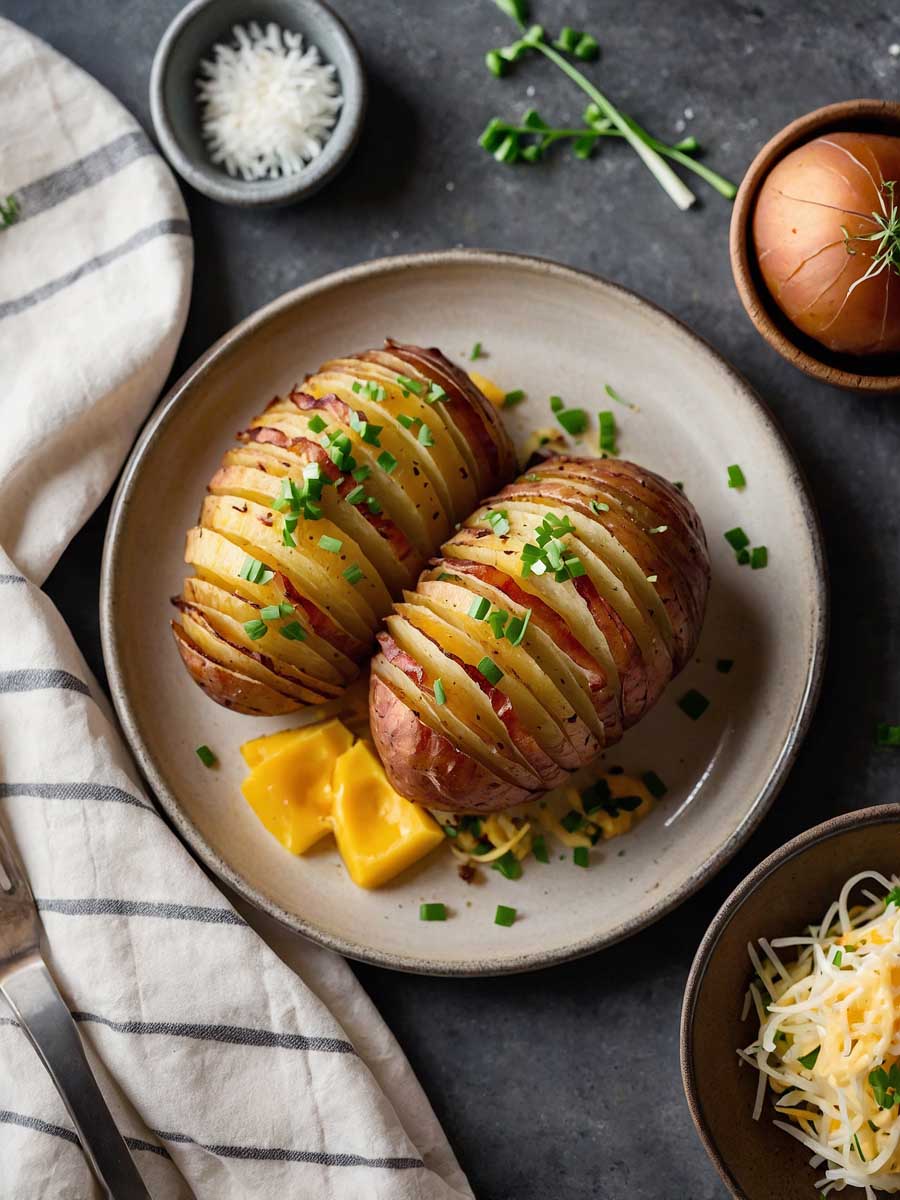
point(329, 505)
point(553, 620)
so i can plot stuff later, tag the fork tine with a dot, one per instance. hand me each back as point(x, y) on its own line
point(20, 935)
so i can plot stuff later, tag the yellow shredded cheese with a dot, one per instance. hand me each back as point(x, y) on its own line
point(828, 1041)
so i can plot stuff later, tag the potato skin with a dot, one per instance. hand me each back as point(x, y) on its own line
point(831, 182)
point(665, 558)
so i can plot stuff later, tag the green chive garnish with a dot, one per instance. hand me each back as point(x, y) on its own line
point(498, 519)
point(759, 558)
point(432, 912)
point(693, 703)
point(373, 505)
point(387, 462)
point(294, 632)
point(743, 557)
point(504, 915)
point(508, 866)
point(515, 630)
point(489, 669)
point(451, 831)
point(369, 433)
point(357, 495)
point(607, 426)
point(736, 477)
point(598, 506)
point(206, 756)
point(353, 574)
point(614, 395)
point(511, 399)
point(440, 696)
point(271, 612)
point(557, 404)
point(581, 857)
point(316, 424)
point(410, 385)
point(724, 665)
point(406, 420)
point(737, 539)
point(477, 352)
point(254, 571)
point(425, 436)
point(572, 821)
point(573, 420)
point(362, 473)
point(497, 621)
point(539, 849)
point(479, 608)
point(331, 544)
point(255, 629)
point(287, 537)
point(809, 1060)
point(654, 785)
point(887, 735)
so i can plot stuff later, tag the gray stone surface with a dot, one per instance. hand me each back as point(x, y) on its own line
point(566, 1083)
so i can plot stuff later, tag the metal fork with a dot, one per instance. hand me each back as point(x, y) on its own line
point(31, 993)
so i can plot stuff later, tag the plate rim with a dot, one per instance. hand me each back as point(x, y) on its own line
point(228, 344)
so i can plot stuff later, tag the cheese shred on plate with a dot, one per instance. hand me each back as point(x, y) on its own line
point(828, 1044)
point(266, 105)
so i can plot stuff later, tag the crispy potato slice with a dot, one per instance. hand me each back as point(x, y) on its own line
point(296, 656)
point(466, 702)
point(317, 571)
point(532, 731)
point(453, 602)
point(228, 687)
point(437, 762)
point(547, 650)
point(248, 483)
point(220, 561)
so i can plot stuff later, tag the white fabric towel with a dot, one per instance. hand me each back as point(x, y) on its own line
point(236, 1066)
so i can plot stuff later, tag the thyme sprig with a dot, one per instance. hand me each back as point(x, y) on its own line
point(528, 140)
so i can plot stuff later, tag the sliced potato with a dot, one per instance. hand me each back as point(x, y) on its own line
point(228, 686)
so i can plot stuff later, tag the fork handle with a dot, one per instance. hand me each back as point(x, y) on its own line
point(33, 997)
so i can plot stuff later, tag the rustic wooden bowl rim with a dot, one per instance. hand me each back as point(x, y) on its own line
point(851, 113)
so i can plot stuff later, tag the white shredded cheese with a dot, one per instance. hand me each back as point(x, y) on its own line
point(267, 105)
point(837, 1006)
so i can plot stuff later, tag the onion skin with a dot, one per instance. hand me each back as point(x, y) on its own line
point(833, 181)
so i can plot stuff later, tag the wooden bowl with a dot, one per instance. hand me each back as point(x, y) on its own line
point(793, 887)
point(873, 374)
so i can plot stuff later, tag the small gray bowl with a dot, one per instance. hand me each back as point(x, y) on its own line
point(176, 114)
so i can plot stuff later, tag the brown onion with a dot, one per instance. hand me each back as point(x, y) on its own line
point(815, 216)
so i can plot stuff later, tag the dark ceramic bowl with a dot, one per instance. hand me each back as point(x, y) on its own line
point(176, 115)
point(872, 374)
point(792, 888)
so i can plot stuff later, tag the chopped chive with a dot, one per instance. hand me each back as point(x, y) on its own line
point(387, 462)
point(451, 831)
point(271, 612)
point(654, 785)
point(572, 821)
point(887, 735)
point(511, 399)
point(858, 1147)
point(599, 507)
point(293, 632)
point(539, 849)
point(357, 495)
point(285, 609)
point(435, 393)
point(406, 420)
point(743, 557)
point(837, 958)
point(515, 630)
point(694, 704)
point(206, 756)
point(362, 473)
point(369, 433)
point(607, 427)
point(614, 395)
point(432, 912)
point(873, 1126)
point(356, 386)
point(331, 544)
point(497, 621)
point(498, 519)
point(316, 424)
point(504, 915)
point(489, 669)
point(809, 1060)
point(581, 857)
point(410, 385)
point(533, 478)
point(353, 574)
point(425, 436)
point(557, 404)
point(373, 505)
point(254, 571)
point(724, 665)
point(287, 537)
point(759, 558)
point(446, 575)
point(573, 420)
point(508, 866)
point(736, 477)
point(477, 352)
point(440, 696)
point(255, 629)
point(479, 608)
point(737, 539)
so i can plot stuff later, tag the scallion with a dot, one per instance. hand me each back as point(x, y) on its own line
point(206, 756)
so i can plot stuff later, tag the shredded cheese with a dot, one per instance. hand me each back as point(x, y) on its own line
point(267, 106)
point(836, 1006)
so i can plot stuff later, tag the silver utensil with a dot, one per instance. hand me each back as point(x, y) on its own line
point(31, 993)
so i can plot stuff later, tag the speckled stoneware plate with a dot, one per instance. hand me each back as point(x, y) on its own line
point(549, 330)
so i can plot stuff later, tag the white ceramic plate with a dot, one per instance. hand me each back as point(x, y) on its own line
point(546, 329)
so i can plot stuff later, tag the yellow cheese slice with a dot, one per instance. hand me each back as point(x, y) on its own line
point(290, 789)
point(379, 833)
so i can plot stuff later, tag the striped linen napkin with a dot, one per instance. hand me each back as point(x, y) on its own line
point(238, 1060)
